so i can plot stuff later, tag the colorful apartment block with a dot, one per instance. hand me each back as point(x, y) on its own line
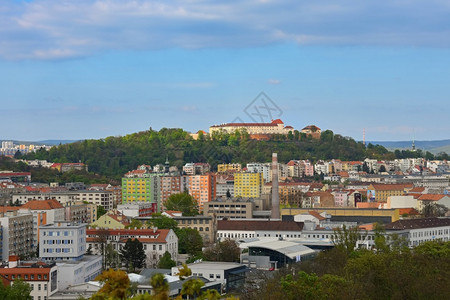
point(202, 188)
point(141, 190)
point(248, 185)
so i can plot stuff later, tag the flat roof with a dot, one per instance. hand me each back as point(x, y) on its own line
point(291, 249)
point(216, 265)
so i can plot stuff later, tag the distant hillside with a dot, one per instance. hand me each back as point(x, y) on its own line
point(432, 146)
point(114, 156)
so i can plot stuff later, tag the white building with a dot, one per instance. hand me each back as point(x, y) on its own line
point(103, 198)
point(62, 241)
point(17, 234)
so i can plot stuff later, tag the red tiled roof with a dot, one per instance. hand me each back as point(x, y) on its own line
point(4, 209)
point(42, 204)
point(431, 197)
point(15, 174)
point(417, 189)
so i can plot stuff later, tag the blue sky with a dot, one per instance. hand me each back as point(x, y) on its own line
point(91, 69)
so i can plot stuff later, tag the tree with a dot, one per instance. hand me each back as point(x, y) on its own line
point(116, 285)
point(182, 202)
point(345, 239)
point(227, 250)
point(134, 224)
point(162, 222)
point(189, 241)
point(18, 289)
point(160, 287)
point(184, 272)
point(100, 211)
point(192, 288)
point(434, 210)
point(382, 169)
point(111, 257)
point(102, 239)
point(133, 254)
point(166, 261)
point(210, 295)
point(228, 194)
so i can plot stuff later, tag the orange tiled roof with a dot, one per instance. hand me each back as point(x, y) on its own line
point(431, 197)
point(316, 215)
point(43, 204)
point(417, 189)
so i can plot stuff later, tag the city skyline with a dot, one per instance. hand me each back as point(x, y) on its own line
point(91, 69)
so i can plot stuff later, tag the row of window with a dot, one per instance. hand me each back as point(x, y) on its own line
point(26, 277)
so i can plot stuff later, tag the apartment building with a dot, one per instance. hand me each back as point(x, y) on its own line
point(202, 188)
point(42, 277)
point(142, 190)
point(17, 232)
point(248, 185)
point(206, 225)
point(381, 192)
point(103, 198)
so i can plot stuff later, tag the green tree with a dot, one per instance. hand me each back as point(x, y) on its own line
point(227, 250)
point(162, 222)
point(192, 288)
point(134, 224)
point(184, 272)
point(18, 289)
point(189, 241)
point(100, 211)
point(182, 202)
point(133, 254)
point(160, 287)
point(166, 261)
point(345, 239)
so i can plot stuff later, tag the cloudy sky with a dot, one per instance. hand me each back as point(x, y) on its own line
point(74, 69)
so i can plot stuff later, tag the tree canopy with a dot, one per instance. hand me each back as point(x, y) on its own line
point(182, 202)
point(133, 254)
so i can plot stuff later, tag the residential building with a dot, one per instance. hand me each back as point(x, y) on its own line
point(224, 186)
point(173, 185)
point(202, 188)
point(381, 192)
point(65, 198)
point(17, 233)
point(99, 198)
point(205, 225)
point(65, 244)
point(62, 241)
point(155, 241)
point(42, 277)
point(225, 168)
point(248, 185)
point(77, 213)
point(112, 220)
point(137, 209)
point(196, 168)
point(142, 190)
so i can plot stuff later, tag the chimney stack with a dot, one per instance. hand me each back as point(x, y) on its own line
point(275, 196)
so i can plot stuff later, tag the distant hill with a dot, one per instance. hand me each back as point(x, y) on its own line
point(432, 146)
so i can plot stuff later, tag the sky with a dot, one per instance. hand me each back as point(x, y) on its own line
point(81, 69)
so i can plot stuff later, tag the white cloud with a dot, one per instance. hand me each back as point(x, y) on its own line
point(48, 29)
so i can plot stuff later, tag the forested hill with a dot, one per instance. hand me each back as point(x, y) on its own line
point(114, 156)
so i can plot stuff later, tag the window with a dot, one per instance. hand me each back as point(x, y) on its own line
point(39, 287)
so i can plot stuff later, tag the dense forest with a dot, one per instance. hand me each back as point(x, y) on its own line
point(114, 156)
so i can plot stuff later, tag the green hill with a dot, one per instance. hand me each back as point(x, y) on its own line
point(114, 156)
